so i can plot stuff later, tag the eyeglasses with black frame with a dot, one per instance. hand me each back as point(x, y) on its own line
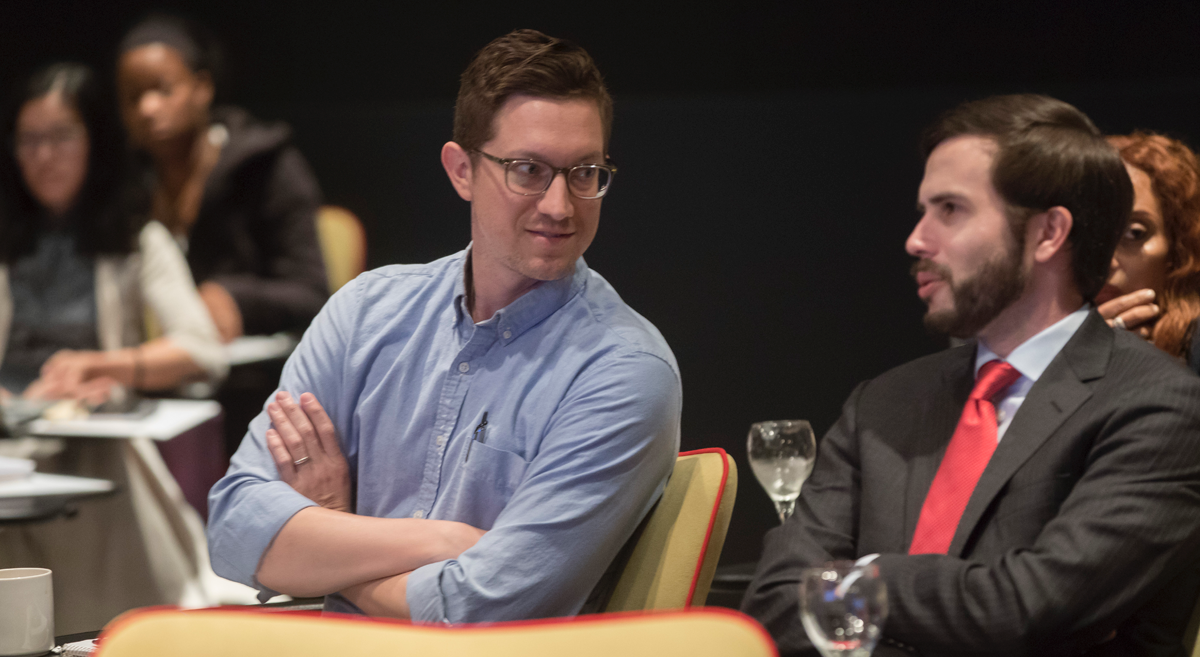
point(533, 177)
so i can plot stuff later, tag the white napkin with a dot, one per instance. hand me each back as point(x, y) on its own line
point(78, 649)
point(12, 469)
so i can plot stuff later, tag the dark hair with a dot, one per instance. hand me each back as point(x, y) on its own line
point(524, 62)
point(1050, 154)
point(1175, 179)
point(112, 205)
point(196, 45)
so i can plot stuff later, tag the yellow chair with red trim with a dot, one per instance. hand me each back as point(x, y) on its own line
point(243, 633)
point(1191, 636)
point(676, 549)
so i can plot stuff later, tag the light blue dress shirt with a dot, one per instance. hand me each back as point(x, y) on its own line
point(1030, 358)
point(582, 397)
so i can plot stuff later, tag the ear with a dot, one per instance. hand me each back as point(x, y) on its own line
point(1048, 233)
point(458, 166)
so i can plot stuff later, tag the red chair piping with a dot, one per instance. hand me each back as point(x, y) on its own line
point(712, 520)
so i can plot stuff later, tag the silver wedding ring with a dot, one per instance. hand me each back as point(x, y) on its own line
point(1119, 323)
point(300, 461)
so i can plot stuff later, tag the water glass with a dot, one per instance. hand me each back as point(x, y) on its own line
point(781, 454)
point(843, 608)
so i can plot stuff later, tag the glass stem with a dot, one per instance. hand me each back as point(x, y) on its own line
point(785, 509)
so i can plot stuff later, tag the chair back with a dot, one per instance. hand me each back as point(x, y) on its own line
point(1191, 636)
point(676, 550)
point(244, 633)
point(343, 245)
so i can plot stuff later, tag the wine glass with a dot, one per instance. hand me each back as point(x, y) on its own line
point(781, 454)
point(843, 607)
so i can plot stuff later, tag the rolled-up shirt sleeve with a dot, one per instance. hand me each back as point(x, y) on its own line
point(604, 460)
point(250, 504)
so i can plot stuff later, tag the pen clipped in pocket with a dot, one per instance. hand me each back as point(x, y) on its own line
point(479, 435)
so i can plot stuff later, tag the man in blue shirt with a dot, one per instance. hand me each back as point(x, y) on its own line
point(505, 419)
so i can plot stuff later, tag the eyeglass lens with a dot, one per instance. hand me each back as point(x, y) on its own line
point(27, 143)
point(533, 177)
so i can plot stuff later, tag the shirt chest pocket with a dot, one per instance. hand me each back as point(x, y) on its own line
point(494, 475)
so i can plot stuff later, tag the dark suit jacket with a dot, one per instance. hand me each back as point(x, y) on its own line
point(1086, 520)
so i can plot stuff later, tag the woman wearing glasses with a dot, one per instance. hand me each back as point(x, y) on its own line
point(1154, 287)
point(79, 263)
point(81, 268)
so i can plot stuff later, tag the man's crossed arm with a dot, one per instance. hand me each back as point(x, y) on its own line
point(327, 549)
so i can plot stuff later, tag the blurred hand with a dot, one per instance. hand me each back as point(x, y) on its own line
point(223, 309)
point(69, 368)
point(1137, 310)
point(71, 375)
point(303, 432)
point(95, 391)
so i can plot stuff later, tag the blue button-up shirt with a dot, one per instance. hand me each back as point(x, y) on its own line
point(582, 397)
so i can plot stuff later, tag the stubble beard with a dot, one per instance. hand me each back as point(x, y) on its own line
point(979, 299)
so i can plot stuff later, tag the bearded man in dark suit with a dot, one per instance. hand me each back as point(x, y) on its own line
point(1037, 490)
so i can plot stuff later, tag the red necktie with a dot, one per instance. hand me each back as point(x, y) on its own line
point(966, 457)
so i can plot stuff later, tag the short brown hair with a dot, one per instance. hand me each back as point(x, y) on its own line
point(1175, 179)
point(1050, 154)
point(524, 62)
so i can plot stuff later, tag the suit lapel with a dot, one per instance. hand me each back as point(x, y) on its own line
point(1061, 389)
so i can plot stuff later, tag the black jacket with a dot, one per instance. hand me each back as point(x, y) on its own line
point(255, 232)
point(1081, 534)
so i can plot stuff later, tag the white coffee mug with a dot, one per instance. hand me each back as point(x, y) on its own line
point(26, 611)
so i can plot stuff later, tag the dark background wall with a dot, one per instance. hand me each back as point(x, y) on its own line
point(767, 152)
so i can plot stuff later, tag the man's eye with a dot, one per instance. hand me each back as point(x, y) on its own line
point(529, 169)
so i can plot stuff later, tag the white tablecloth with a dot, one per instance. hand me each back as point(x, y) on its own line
point(143, 545)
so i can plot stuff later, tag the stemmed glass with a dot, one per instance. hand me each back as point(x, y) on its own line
point(781, 454)
point(843, 607)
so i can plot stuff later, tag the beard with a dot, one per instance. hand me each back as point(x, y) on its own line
point(979, 298)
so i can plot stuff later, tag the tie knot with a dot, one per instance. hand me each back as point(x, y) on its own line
point(994, 376)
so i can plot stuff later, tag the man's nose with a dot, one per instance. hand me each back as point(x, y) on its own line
point(557, 202)
point(918, 242)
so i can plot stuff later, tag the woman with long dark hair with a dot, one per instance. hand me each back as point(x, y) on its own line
point(1154, 288)
point(79, 261)
point(81, 269)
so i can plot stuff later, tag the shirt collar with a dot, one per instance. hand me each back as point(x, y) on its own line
point(527, 310)
point(1033, 356)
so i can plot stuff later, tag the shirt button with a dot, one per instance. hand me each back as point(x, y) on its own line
point(464, 367)
point(441, 440)
point(507, 335)
point(418, 514)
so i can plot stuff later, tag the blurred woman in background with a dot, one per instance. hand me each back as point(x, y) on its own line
point(80, 263)
point(1154, 287)
point(79, 266)
point(235, 193)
